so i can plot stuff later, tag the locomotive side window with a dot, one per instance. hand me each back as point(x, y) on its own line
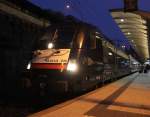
point(79, 40)
point(92, 41)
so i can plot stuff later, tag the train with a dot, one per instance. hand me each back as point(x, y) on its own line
point(74, 58)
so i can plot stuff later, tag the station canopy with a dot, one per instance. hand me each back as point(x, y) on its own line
point(134, 27)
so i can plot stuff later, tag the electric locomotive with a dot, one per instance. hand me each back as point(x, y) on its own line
point(74, 58)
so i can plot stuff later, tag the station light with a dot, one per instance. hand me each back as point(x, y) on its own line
point(50, 45)
point(110, 54)
point(123, 46)
point(129, 33)
point(147, 62)
point(122, 20)
point(97, 37)
point(135, 63)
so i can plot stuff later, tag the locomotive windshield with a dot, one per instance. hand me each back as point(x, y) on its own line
point(61, 37)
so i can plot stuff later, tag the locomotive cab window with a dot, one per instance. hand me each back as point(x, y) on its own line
point(64, 38)
point(61, 37)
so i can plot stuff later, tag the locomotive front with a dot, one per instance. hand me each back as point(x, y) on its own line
point(52, 67)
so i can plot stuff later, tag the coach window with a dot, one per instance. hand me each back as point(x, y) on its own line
point(99, 49)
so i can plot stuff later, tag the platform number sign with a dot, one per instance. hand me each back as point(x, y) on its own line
point(130, 5)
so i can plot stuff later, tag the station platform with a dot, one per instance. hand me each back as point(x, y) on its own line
point(127, 97)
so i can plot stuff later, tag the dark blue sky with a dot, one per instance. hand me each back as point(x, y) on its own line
point(93, 11)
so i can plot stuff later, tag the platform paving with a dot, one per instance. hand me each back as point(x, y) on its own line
point(127, 97)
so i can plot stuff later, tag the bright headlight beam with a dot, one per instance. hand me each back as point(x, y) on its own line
point(29, 66)
point(72, 66)
point(50, 45)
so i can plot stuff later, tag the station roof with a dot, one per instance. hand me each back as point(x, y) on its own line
point(134, 27)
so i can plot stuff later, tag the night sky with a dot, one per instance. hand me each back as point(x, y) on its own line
point(93, 11)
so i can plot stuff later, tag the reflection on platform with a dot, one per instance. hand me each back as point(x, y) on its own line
point(128, 97)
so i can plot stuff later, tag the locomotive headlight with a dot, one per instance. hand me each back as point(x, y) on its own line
point(29, 65)
point(72, 66)
point(50, 45)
